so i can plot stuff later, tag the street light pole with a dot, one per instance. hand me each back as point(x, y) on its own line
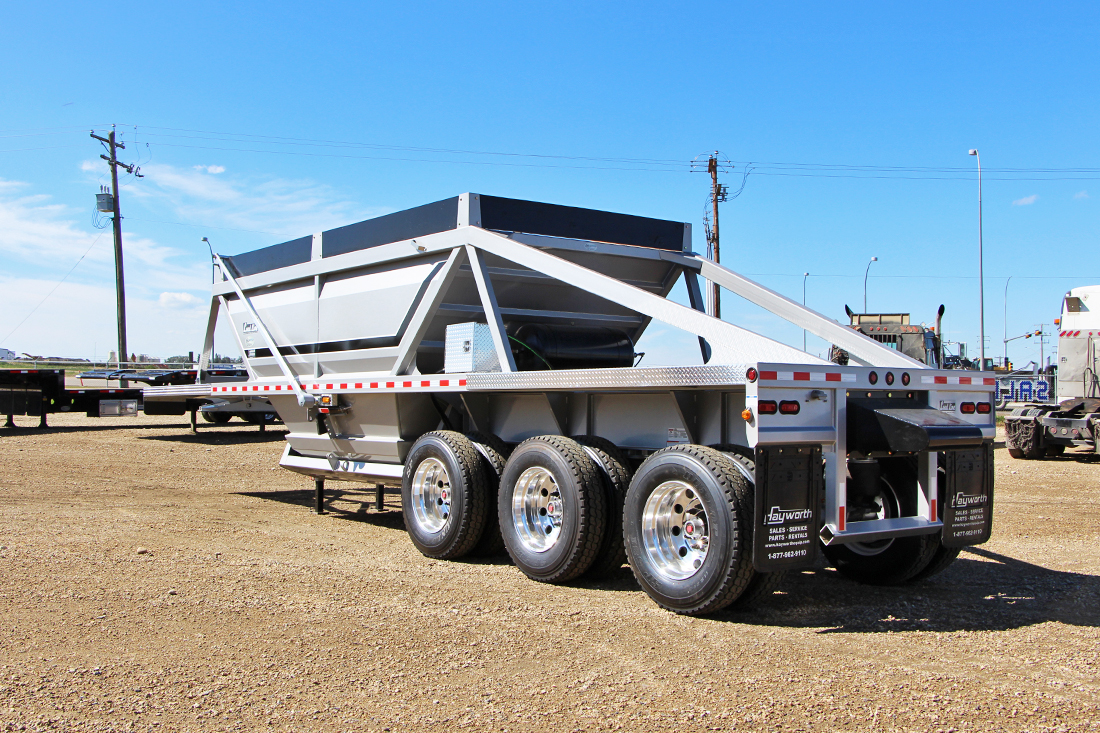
point(981, 278)
point(865, 273)
point(804, 276)
point(1006, 320)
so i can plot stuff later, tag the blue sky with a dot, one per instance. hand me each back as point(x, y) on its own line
point(843, 84)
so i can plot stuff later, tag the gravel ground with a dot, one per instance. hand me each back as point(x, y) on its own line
point(155, 580)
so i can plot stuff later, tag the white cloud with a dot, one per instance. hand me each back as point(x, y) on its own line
point(284, 207)
point(1081, 195)
point(215, 169)
point(178, 301)
point(1026, 200)
point(36, 230)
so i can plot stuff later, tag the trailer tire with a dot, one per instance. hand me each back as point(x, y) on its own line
point(887, 562)
point(218, 418)
point(941, 559)
point(444, 495)
point(615, 474)
point(680, 569)
point(943, 556)
point(552, 509)
point(762, 585)
point(494, 454)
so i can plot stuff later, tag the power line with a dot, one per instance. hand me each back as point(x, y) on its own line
point(55, 287)
point(262, 144)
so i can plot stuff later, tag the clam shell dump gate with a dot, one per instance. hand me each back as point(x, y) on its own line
point(480, 350)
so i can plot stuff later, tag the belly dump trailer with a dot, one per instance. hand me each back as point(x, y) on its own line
point(1039, 430)
point(480, 352)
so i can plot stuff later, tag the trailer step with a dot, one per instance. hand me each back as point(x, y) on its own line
point(878, 529)
point(340, 468)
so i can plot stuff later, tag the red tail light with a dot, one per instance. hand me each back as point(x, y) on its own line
point(905, 378)
point(872, 377)
point(767, 407)
point(889, 377)
point(751, 374)
point(789, 407)
point(984, 408)
point(967, 408)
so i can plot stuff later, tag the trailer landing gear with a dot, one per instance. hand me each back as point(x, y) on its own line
point(319, 495)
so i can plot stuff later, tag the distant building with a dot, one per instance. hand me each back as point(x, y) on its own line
point(6, 355)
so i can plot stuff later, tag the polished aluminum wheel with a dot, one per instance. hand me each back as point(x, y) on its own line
point(537, 509)
point(675, 530)
point(431, 495)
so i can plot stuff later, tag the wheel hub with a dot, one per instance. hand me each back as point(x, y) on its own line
point(431, 495)
point(675, 530)
point(537, 511)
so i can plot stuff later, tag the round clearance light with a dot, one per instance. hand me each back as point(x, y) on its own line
point(746, 415)
point(751, 375)
point(905, 378)
point(889, 377)
point(872, 377)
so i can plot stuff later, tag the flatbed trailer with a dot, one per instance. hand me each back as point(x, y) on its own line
point(39, 392)
point(479, 352)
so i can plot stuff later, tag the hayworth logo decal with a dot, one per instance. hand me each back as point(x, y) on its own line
point(782, 516)
point(946, 406)
point(250, 328)
point(962, 499)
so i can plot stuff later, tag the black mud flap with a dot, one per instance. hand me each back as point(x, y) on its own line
point(968, 496)
point(789, 482)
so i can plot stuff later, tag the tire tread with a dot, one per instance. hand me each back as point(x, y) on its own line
point(591, 509)
point(475, 506)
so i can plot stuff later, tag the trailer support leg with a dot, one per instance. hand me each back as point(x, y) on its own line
point(194, 421)
point(379, 505)
point(42, 420)
point(263, 423)
point(11, 421)
point(319, 492)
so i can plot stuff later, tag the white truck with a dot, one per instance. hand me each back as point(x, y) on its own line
point(1038, 430)
point(479, 351)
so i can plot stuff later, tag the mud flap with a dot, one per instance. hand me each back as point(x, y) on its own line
point(789, 482)
point(968, 496)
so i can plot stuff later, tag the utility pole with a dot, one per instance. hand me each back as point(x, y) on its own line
point(120, 285)
point(717, 194)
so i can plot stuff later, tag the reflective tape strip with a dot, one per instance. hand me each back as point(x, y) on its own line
point(766, 376)
point(987, 381)
point(414, 385)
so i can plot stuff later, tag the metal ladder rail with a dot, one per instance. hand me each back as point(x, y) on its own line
point(303, 398)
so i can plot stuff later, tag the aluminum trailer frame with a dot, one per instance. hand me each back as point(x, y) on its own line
point(343, 332)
